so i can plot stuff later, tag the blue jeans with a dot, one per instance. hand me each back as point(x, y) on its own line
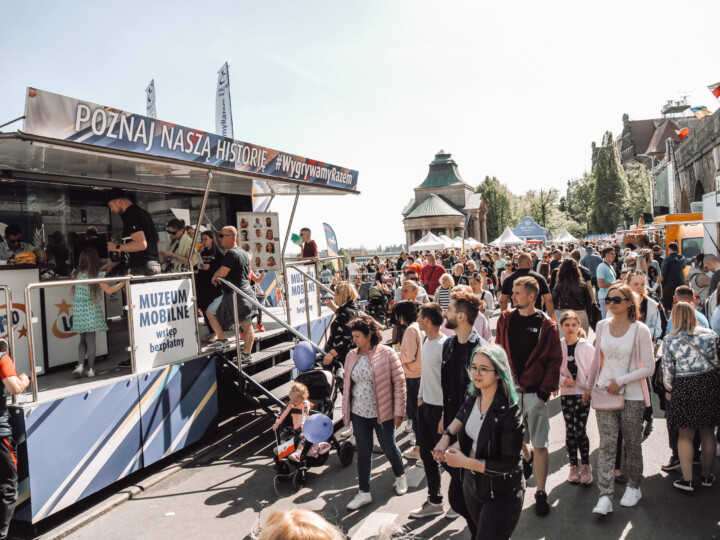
point(363, 431)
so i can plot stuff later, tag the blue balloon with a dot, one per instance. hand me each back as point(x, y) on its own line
point(317, 428)
point(304, 356)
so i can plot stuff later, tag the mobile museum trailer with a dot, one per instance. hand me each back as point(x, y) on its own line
point(78, 436)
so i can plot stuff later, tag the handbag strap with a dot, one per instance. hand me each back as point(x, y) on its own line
point(707, 359)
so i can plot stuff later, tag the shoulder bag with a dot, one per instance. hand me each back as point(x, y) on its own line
point(601, 399)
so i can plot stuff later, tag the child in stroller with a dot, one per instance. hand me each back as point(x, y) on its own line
point(377, 305)
point(322, 390)
point(299, 409)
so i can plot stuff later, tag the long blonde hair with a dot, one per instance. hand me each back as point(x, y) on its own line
point(683, 318)
point(628, 294)
point(298, 524)
point(344, 292)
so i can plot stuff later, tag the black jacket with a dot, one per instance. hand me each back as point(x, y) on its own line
point(499, 443)
point(340, 336)
point(454, 383)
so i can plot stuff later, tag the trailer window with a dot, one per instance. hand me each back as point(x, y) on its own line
point(691, 247)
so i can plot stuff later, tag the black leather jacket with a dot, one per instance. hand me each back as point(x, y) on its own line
point(499, 443)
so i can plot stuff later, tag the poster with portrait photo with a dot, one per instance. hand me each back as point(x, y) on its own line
point(259, 235)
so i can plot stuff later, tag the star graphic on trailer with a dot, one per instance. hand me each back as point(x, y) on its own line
point(22, 332)
point(63, 307)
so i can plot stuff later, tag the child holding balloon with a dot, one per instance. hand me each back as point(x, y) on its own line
point(299, 410)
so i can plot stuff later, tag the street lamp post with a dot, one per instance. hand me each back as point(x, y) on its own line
point(652, 183)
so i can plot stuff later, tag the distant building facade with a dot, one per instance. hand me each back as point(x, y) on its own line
point(442, 203)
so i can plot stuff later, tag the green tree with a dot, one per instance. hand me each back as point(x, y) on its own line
point(344, 256)
point(611, 187)
point(498, 199)
point(582, 202)
point(541, 204)
point(639, 183)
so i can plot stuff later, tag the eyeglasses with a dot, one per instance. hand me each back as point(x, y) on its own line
point(171, 233)
point(482, 370)
point(614, 300)
point(221, 235)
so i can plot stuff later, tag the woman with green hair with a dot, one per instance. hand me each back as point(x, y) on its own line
point(488, 450)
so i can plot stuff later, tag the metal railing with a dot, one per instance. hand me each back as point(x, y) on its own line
point(9, 322)
point(129, 308)
point(267, 312)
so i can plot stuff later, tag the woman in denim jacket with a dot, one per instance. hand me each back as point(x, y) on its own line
point(692, 386)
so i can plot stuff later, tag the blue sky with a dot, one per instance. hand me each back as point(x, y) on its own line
point(517, 90)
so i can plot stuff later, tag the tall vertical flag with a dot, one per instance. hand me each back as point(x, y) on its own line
point(467, 222)
point(223, 110)
point(332, 244)
point(715, 89)
point(150, 99)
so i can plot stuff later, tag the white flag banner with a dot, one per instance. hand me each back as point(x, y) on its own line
point(150, 94)
point(223, 110)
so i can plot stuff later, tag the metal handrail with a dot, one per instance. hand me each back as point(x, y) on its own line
point(11, 334)
point(73, 282)
point(322, 286)
point(295, 261)
point(267, 312)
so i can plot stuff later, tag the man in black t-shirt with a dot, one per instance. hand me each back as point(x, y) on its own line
point(138, 250)
point(235, 268)
point(524, 269)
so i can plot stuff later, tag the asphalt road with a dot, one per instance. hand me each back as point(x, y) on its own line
point(231, 491)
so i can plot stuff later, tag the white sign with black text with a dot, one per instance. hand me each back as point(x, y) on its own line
point(296, 294)
point(163, 323)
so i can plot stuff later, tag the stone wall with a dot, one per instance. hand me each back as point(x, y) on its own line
point(698, 161)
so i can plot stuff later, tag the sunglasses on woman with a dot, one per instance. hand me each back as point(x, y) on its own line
point(614, 300)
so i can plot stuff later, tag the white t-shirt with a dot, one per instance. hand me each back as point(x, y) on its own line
point(352, 269)
point(431, 357)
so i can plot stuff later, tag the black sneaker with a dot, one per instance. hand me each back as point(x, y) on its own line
point(542, 508)
point(708, 481)
point(218, 345)
point(672, 465)
point(125, 363)
point(528, 465)
point(684, 485)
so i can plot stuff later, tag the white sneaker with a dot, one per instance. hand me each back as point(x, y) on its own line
point(353, 441)
point(411, 453)
point(413, 440)
point(400, 484)
point(632, 497)
point(78, 370)
point(603, 506)
point(408, 426)
point(90, 373)
point(360, 500)
point(451, 514)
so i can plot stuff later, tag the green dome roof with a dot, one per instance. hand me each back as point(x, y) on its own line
point(443, 172)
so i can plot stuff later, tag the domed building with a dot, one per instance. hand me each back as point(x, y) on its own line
point(442, 203)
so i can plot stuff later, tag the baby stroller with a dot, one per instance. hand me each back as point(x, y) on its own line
point(323, 388)
point(377, 305)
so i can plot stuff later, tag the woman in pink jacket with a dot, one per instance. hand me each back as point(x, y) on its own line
point(578, 355)
point(374, 398)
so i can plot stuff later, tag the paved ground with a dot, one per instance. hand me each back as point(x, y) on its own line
point(231, 491)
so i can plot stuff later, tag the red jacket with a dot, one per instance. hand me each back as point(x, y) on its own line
point(542, 369)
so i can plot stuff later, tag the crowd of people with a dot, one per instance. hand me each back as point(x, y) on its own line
point(603, 326)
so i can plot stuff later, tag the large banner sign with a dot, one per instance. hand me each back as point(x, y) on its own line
point(163, 323)
point(68, 119)
point(296, 295)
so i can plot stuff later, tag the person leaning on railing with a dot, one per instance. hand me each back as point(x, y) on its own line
point(345, 308)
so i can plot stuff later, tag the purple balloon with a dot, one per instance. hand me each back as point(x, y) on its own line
point(303, 356)
point(317, 428)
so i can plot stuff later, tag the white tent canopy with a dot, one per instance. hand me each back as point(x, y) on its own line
point(507, 238)
point(564, 237)
point(471, 242)
point(429, 242)
point(449, 241)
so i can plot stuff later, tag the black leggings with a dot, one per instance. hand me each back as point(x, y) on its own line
point(576, 413)
point(493, 518)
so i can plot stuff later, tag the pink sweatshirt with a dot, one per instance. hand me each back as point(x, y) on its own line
point(410, 351)
point(584, 354)
point(299, 414)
